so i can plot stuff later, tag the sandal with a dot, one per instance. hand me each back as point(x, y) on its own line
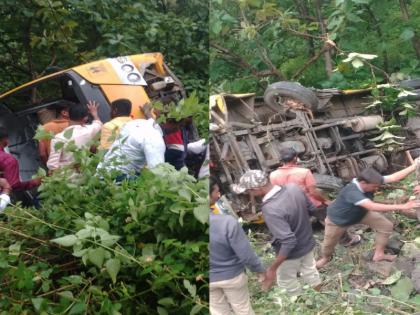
point(356, 239)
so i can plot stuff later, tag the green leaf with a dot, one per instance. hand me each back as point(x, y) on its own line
point(66, 241)
point(393, 278)
point(38, 303)
point(109, 240)
point(77, 308)
point(191, 288)
point(113, 267)
point(185, 194)
point(201, 213)
point(68, 133)
point(162, 311)
point(67, 295)
point(402, 290)
point(407, 34)
point(196, 309)
point(58, 146)
point(84, 233)
point(14, 249)
point(96, 256)
point(168, 301)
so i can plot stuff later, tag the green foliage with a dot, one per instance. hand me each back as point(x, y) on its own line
point(97, 247)
point(254, 43)
point(388, 140)
point(188, 107)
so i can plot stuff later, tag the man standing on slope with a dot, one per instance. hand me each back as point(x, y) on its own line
point(286, 210)
point(354, 205)
point(230, 253)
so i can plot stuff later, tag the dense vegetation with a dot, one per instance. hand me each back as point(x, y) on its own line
point(96, 247)
point(256, 42)
point(40, 34)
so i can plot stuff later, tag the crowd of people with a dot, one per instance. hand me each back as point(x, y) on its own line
point(129, 144)
point(289, 198)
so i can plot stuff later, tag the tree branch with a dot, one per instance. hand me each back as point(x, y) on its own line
point(242, 62)
point(311, 61)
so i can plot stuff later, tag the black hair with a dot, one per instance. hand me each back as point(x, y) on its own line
point(3, 133)
point(370, 176)
point(212, 184)
point(62, 105)
point(288, 154)
point(78, 112)
point(122, 107)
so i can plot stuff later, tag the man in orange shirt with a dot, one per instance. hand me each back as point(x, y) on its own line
point(54, 127)
point(291, 173)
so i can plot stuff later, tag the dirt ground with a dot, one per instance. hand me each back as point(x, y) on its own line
point(352, 284)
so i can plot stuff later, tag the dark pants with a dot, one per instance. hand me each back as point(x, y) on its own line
point(175, 158)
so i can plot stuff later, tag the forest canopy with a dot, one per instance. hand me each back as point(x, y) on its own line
point(40, 35)
point(256, 42)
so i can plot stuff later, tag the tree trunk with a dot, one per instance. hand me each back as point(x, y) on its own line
point(415, 41)
point(327, 53)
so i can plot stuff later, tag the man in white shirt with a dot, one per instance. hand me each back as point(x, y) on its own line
point(139, 144)
point(78, 132)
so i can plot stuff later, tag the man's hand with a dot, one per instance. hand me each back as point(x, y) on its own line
point(417, 189)
point(261, 277)
point(93, 109)
point(411, 204)
point(270, 277)
point(38, 181)
point(5, 187)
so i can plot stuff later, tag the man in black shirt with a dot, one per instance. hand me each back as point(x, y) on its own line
point(354, 205)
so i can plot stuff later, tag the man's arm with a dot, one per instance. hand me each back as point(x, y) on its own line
point(5, 186)
point(314, 192)
point(11, 174)
point(271, 273)
point(53, 162)
point(281, 231)
point(374, 206)
point(43, 150)
point(242, 248)
point(397, 176)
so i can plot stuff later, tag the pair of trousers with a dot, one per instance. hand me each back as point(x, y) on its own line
point(288, 270)
point(376, 221)
point(229, 296)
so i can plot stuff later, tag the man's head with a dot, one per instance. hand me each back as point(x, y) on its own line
point(62, 109)
point(4, 136)
point(255, 182)
point(288, 155)
point(214, 191)
point(370, 180)
point(79, 113)
point(120, 108)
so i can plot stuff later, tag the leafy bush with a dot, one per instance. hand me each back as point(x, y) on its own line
point(97, 247)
